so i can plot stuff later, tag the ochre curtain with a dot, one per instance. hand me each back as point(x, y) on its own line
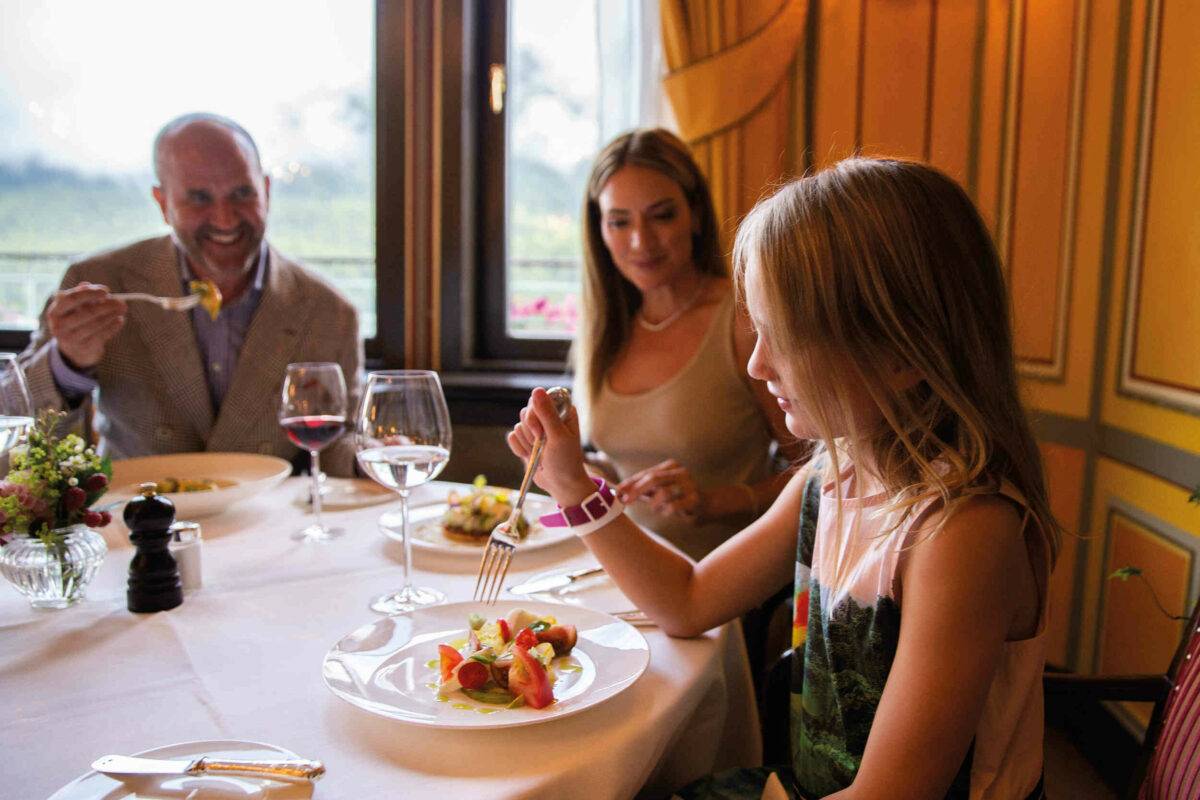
point(735, 86)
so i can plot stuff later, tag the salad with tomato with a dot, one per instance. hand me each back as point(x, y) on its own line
point(507, 661)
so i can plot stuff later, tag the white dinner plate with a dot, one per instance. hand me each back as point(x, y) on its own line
point(390, 667)
point(94, 786)
point(247, 474)
point(338, 494)
point(426, 523)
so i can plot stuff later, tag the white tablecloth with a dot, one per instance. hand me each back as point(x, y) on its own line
point(241, 659)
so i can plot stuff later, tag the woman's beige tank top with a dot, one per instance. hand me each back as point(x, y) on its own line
point(705, 417)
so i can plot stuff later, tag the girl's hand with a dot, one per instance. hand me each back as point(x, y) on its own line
point(668, 487)
point(561, 468)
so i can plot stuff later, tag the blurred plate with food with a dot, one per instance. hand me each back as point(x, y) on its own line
point(462, 521)
point(199, 484)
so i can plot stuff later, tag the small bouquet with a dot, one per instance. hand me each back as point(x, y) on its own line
point(52, 484)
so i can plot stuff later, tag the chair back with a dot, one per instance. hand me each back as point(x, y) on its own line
point(1173, 772)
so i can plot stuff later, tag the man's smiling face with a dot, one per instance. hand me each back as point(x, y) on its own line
point(215, 198)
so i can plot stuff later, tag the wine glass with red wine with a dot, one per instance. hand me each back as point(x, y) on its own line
point(402, 435)
point(313, 412)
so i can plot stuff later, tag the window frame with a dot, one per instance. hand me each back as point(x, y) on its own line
point(474, 244)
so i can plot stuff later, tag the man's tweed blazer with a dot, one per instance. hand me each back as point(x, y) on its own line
point(153, 392)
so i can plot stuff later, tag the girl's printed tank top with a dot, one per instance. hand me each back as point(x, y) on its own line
point(847, 624)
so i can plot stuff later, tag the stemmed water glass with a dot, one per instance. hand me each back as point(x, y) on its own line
point(402, 435)
point(16, 407)
point(312, 409)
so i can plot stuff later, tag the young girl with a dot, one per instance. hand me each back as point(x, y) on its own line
point(883, 332)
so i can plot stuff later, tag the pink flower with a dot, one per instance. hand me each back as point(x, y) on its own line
point(7, 489)
point(93, 519)
point(96, 482)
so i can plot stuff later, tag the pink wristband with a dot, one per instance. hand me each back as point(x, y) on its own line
point(597, 510)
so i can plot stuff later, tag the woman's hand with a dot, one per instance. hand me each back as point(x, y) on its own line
point(561, 468)
point(669, 489)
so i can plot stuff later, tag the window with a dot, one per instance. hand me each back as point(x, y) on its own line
point(575, 75)
point(80, 111)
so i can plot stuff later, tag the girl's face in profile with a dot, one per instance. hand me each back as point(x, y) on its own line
point(783, 372)
point(647, 226)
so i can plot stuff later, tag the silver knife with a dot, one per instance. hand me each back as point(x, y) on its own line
point(551, 582)
point(121, 767)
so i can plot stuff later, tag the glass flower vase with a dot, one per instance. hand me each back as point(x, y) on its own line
point(57, 574)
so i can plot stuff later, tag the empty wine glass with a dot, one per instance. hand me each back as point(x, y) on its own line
point(312, 410)
point(402, 435)
point(16, 407)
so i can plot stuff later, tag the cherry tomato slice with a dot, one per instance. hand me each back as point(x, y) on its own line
point(527, 639)
point(473, 674)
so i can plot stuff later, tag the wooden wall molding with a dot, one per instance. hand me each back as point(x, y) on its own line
point(1157, 390)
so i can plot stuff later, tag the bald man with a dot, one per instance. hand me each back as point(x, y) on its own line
point(181, 381)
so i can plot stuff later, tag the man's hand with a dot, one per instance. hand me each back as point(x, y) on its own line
point(83, 319)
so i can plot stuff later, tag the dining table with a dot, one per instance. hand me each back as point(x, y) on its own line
point(241, 659)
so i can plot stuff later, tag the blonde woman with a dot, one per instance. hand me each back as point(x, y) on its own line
point(661, 358)
point(920, 534)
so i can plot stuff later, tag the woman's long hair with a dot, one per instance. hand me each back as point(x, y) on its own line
point(877, 268)
point(609, 301)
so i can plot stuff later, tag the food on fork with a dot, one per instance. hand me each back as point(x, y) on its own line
point(471, 518)
point(169, 485)
point(508, 661)
point(210, 296)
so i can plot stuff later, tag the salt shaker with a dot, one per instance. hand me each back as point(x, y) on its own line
point(185, 546)
point(153, 574)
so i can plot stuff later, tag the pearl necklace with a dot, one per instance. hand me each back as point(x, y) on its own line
point(655, 327)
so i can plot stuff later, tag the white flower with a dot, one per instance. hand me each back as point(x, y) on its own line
point(72, 481)
point(79, 446)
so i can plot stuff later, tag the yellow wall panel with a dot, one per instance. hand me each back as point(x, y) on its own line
point(1042, 171)
point(895, 98)
point(953, 87)
point(836, 89)
point(1136, 636)
point(992, 119)
point(1176, 428)
point(1117, 483)
point(1065, 470)
point(1166, 305)
point(1072, 396)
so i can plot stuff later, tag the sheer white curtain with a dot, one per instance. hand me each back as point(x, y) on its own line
point(631, 67)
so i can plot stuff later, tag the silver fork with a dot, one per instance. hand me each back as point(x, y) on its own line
point(493, 567)
point(168, 303)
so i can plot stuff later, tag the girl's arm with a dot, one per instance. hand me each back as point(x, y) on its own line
point(684, 598)
point(965, 592)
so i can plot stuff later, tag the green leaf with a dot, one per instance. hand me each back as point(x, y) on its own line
point(1125, 573)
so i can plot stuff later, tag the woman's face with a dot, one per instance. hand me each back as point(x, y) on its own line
point(647, 226)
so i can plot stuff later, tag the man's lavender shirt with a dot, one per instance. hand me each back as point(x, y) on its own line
point(220, 340)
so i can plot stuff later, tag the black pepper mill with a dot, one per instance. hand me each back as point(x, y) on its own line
point(154, 583)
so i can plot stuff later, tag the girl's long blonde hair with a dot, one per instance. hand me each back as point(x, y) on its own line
point(879, 267)
point(608, 300)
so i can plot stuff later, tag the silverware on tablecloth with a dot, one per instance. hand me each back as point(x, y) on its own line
point(499, 552)
point(169, 303)
point(551, 582)
point(121, 767)
point(635, 617)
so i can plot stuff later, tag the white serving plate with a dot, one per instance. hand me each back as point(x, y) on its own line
point(250, 474)
point(390, 666)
